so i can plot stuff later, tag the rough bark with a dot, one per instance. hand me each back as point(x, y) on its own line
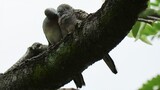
point(55, 66)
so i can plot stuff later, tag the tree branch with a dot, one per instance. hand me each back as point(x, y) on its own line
point(94, 37)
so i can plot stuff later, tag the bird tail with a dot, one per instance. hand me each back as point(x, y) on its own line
point(78, 80)
point(108, 60)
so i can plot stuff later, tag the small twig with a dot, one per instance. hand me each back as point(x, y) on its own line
point(146, 20)
point(153, 18)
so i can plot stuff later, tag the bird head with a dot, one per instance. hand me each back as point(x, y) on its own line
point(51, 13)
point(64, 9)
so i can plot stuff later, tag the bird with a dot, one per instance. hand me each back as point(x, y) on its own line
point(68, 18)
point(51, 27)
point(53, 34)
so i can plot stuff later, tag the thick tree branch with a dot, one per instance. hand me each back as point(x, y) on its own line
point(97, 35)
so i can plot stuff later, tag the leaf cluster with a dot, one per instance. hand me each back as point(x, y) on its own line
point(147, 26)
point(153, 84)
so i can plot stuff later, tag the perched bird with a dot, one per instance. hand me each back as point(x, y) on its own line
point(51, 27)
point(68, 19)
point(53, 34)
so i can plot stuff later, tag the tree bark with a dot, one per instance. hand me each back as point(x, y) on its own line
point(50, 68)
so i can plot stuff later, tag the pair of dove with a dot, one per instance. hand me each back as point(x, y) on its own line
point(58, 24)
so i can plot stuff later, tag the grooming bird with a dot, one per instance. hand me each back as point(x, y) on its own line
point(68, 18)
point(53, 34)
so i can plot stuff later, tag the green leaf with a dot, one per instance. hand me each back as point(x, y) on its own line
point(130, 34)
point(154, 4)
point(158, 1)
point(156, 25)
point(147, 12)
point(135, 29)
point(148, 30)
point(145, 39)
point(153, 84)
point(142, 27)
point(158, 12)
